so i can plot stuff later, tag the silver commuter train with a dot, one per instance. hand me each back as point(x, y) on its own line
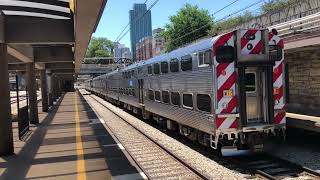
point(225, 91)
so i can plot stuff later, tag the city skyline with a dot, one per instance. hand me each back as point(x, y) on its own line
point(140, 25)
point(115, 16)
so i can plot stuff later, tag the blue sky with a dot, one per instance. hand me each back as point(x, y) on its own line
point(116, 13)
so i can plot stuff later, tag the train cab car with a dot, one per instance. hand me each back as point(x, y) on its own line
point(225, 91)
point(250, 86)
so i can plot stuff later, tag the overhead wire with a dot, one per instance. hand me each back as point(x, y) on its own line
point(121, 35)
point(145, 2)
point(228, 5)
point(225, 17)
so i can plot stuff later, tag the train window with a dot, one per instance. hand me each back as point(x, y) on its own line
point(186, 63)
point(187, 100)
point(151, 95)
point(225, 54)
point(205, 58)
point(157, 95)
point(174, 65)
point(275, 53)
point(175, 98)
point(133, 92)
point(208, 57)
point(165, 96)
point(164, 67)
point(204, 102)
point(156, 68)
point(149, 69)
point(250, 82)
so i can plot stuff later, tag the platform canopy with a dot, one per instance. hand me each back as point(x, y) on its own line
point(54, 34)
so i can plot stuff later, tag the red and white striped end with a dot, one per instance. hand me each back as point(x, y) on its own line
point(226, 78)
point(278, 84)
point(275, 40)
point(278, 77)
point(227, 122)
point(254, 46)
point(280, 117)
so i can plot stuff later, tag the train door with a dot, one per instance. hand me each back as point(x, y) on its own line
point(254, 95)
point(140, 86)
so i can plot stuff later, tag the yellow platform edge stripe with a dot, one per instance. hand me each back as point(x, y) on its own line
point(81, 167)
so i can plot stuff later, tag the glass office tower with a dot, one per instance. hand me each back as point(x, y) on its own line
point(140, 25)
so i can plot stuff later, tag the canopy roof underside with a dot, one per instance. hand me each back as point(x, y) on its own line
point(53, 9)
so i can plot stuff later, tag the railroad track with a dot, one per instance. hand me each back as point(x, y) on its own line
point(264, 166)
point(156, 161)
point(274, 168)
point(14, 100)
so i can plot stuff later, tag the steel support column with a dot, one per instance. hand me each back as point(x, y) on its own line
point(32, 91)
point(6, 137)
point(49, 80)
point(44, 93)
point(54, 89)
point(60, 92)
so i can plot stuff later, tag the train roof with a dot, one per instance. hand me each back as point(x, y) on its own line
point(178, 53)
point(198, 46)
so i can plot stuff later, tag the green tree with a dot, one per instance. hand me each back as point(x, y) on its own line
point(100, 47)
point(188, 19)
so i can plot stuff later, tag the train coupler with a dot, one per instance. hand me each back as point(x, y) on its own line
point(214, 141)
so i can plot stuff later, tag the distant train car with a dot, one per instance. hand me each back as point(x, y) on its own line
point(225, 91)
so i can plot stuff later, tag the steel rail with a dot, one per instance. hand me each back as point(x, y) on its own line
point(277, 162)
point(158, 144)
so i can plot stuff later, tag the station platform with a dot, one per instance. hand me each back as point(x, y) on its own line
point(304, 122)
point(69, 143)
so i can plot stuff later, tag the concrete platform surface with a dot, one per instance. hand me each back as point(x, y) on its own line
point(67, 144)
point(306, 122)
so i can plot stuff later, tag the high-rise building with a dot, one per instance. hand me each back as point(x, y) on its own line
point(120, 50)
point(140, 25)
point(150, 46)
point(158, 42)
point(144, 48)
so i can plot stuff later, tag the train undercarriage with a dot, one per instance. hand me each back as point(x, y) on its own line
point(223, 143)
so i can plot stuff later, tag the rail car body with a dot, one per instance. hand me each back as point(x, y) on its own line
point(226, 90)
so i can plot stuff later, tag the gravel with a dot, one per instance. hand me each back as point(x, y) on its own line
point(153, 160)
point(198, 161)
point(298, 154)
